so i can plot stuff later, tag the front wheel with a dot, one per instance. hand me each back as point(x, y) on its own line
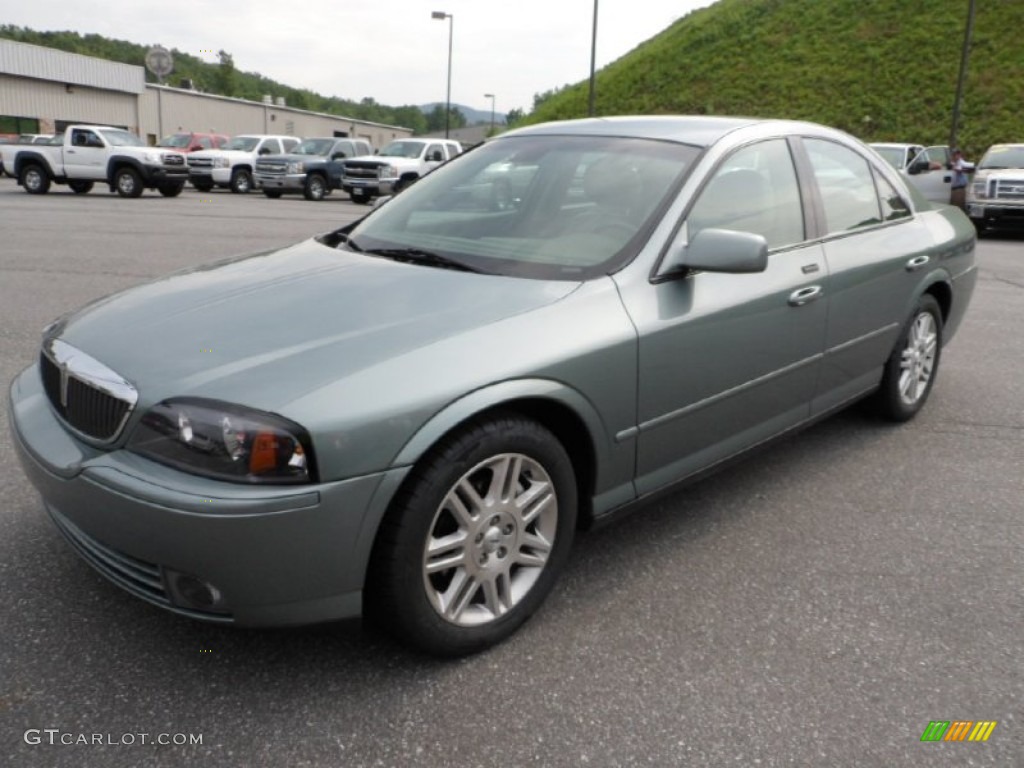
point(171, 190)
point(203, 186)
point(316, 187)
point(273, 194)
point(35, 180)
point(241, 182)
point(80, 187)
point(127, 182)
point(359, 199)
point(913, 365)
point(476, 538)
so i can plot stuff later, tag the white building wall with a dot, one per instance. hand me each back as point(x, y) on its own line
point(49, 102)
point(165, 110)
point(43, 63)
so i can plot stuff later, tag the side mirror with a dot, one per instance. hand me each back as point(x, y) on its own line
point(264, 151)
point(719, 250)
point(338, 156)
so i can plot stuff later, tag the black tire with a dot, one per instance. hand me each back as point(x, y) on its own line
point(909, 376)
point(316, 187)
point(127, 182)
point(400, 185)
point(34, 179)
point(203, 186)
point(171, 190)
point(80, 187)
point(407, 601)
point(273, 194)
point(241, 181)
point(360, 199)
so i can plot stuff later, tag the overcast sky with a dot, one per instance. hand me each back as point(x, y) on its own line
point(390, 50)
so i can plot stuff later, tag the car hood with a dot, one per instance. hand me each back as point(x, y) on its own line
point(233, 153)
point(382, 160)
point(291, 158)
point(266, 329)
point(999, 173)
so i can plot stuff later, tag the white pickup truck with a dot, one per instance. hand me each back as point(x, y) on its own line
point(399, 164)
point(95, 153)
point(927, 168)
point(233, 165)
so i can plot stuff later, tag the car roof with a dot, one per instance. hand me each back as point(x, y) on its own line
point(697, 130)
point(895, 144)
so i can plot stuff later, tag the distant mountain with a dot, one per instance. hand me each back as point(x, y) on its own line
point(472, 115)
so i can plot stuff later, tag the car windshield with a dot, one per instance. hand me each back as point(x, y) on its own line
point(242, 143)
point(1002, 157)
point(177, 141)
point(403, 149)
point(892, 155)
point(118, 138)
point(548, 207)
point(314, 147)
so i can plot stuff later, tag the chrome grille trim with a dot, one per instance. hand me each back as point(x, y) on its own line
point(173, 159)
point(200, 162)
point(88, 396)
point(1009, 189)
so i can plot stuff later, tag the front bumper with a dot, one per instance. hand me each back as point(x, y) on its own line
point(219, 176)
point(290, 182)
point(163, 174)
point(367, 187)
point(995, 210)
point(277, 554)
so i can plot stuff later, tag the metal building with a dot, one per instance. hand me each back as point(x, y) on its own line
point(42, 90)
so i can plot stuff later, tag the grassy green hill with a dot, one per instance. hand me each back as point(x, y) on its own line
point(884, 70)
point(222, 78)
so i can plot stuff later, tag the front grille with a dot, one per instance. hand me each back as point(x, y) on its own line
point(358, 170)
point(88, 396)
point(174, 159)
point(1009, 189)
point(270, 168)
point(142, 579)
point(200, 162)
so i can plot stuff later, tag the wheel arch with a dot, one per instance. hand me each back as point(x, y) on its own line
point(117, 162)
point(31, 158)
point(565, 412)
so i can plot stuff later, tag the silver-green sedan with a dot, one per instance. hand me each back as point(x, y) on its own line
point(409, 417)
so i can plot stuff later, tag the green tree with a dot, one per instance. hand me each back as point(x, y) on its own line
point(227, 75)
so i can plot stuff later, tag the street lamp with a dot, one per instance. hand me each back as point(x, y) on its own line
point(491, 97)
point(441, 15)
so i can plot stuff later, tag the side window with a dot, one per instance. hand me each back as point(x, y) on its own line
point(289, 144)
point(270, 147)
point(846, 185)
point(204, 142)
point(83, 138)
point(754, 190)
point(893, 206)
point(434, 153)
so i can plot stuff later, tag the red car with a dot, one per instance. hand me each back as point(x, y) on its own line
point(191, 142)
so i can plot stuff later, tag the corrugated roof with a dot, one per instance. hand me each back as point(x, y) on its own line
point(42, 63)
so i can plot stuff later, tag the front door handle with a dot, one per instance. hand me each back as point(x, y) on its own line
point(805, 295)
point(917, 262)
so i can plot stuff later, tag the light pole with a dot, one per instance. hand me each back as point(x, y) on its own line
point(593, 57)
point(964, 55)
point(441, 15)
point(491, 97)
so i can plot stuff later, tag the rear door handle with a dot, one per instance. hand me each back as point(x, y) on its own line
point(805, 295)
point(917, 262)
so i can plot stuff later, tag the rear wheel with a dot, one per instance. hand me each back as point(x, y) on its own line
point(171, 190)
point(127, 182)
point(913, 365)
point(476, 538)
point(359, 199)
point(316, 187)
point(203, 186)
point(34, 179)
point(273, 194)
point(80, 187)
point(241, 181)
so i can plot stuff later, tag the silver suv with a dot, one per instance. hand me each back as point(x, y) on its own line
point(996, 194)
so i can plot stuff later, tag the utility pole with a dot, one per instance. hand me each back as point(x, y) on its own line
point(593, 60)
point(965, 54)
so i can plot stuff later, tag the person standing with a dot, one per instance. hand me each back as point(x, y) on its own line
point(958, 189)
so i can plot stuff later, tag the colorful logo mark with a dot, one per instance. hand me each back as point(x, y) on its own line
point(959, 730)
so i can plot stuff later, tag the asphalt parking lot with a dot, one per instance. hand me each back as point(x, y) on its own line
point(817, 605)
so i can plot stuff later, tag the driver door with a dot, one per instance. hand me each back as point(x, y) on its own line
point(86, 158)
point(931, 173)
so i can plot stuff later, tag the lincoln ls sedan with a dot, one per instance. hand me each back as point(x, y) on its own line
point(408, 418)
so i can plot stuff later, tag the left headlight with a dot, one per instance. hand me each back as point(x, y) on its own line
point(296, 167)
point(225, 441)
point(152, 158)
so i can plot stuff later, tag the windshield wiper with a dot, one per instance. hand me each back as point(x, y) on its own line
point(419, 256)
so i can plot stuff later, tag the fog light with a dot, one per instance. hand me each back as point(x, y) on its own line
point(192, 592)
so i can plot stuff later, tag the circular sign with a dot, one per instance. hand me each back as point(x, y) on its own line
point(159, 61)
